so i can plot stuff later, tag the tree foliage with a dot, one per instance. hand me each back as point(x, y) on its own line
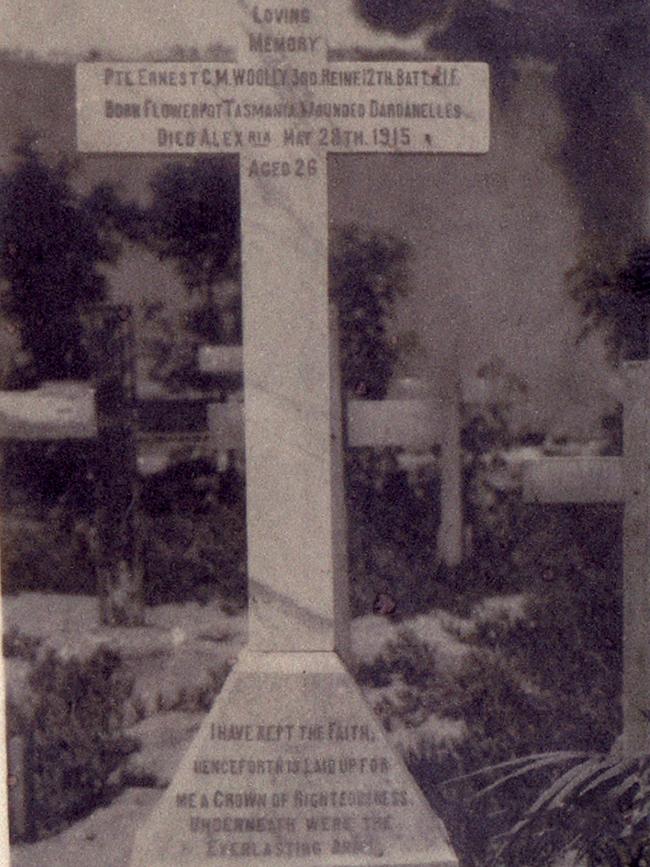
point(599, 66)
point(194, 220)
point(368, 271)
point(615, 296)
point(53, 242)
point(501, 33)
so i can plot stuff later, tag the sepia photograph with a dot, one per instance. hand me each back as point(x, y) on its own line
point(325, 433)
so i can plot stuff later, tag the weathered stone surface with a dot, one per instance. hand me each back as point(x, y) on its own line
point(292, 767)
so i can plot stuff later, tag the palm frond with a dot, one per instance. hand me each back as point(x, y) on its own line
point(558, 757)
point(521, 772)
point(605, 778)
point(570, 783)
point(612, 773)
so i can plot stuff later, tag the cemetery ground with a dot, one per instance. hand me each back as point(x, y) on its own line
point(516, 652)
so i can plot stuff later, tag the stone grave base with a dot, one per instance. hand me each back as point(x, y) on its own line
point(291, 766)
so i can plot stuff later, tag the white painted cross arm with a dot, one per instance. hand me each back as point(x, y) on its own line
point(282, 98)
point(57, 411)
point(416, 423)
point(574, 480)
point(376, 423)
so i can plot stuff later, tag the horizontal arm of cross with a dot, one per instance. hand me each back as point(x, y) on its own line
point(305, 103)
point(574, 480)
point(415, 423)
point(372, 423)
point(48, 413)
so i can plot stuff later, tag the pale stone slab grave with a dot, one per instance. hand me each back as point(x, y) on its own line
point(618, 480)
point(290, 766)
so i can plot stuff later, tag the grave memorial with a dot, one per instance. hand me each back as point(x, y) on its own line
point(623, 480)
point(291, 766)
point(102, 411)
point(429, 415)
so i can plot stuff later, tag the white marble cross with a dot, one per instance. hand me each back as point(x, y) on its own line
point(283, 108)
point(618, 480)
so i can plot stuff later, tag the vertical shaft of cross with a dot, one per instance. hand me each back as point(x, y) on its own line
point(298, 592)
point(450, 532)
point(636, 560)
point(295, 504)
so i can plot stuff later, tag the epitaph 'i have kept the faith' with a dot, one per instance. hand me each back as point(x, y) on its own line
point(291, 765)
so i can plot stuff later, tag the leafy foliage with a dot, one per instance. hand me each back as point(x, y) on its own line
point(50, 556)
point(51, 475)
point(76, 732)
point(52, 244)
point(392, 527)
point(194, 527)
point(194, 219)
point(197, 557)
point(492, 501)
point(368, 271)
point(392, 531)
point(489, 426)
point(171, 346)
point(547, 679)
point(615, 296)
point(500, 33)
point(394, 514)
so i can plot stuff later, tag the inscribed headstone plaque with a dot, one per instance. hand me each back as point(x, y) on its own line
point(290, 766)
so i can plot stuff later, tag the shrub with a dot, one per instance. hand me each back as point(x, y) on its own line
point(411, 661)
point(392, 527)
point(368, 271)
point(196, 557)
point(40, 476)
point(77, 734)
point(17, 644)
point(547, 681)
point(51, 556)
